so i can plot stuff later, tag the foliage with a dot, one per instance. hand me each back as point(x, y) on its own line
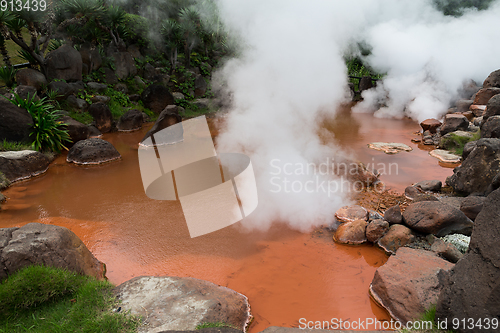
point(44, 299)
point(8, 75)
point(83, 117)
point(183, 81)
point(456, 143)
point(13, 146)
point(461, 242)
point(48, 132)
point(216, 324)
point(428, 316)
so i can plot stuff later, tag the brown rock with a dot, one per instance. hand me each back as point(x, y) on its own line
point(180, 304)
point(351, 213)
point(30, 77)
point(472, 205)
point(64, 63)
point(454, 122)
point(102, 116)
point(484, 95)
point(463, 105)
point(446, 250)
point(411, 192)
point(376, 229)
point(393, 215)
point(409, 283)
point(156, 97)
point(430, 125)
point(493, 80)
point(351, 232)
point(492, 108)
point(429, 185)
point(437, 218)
point(477, 110)
point(92, 151)
point(50, 245)
point(397, 236)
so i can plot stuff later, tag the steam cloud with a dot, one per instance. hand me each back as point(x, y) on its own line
point(291, 69)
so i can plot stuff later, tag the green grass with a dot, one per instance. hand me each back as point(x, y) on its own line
point(16, 146)
point(427, 316)
point(83, 117)
point(217, 324)
point(13, 48)
point(43, 299)
point(456, 143)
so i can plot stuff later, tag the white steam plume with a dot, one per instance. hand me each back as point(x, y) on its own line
point(291, 69)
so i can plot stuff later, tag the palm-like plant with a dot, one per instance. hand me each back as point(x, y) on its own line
point(5, 18)
point(190, 22)
point(173, 36)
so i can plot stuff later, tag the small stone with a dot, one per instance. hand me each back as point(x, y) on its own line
point(389, 147)
point(430, 125)
point(429, 185)
point(472, 205)
point(397, 236)
point(446, 250)
point(393, 215)
point(351, 213)
point(445, 156)
point(376, 229)
point(351, 232)
point(411, 192)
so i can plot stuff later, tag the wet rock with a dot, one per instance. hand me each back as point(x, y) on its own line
point(409, 283)
point(411, 192)
point(491, 127)
point(18, 165)
point(351, 213)
point(125, 65)
point(351, 232)
point(430, 125)
point(437, 218)
point(62, 89)
point(102, 116)
point(483, 96)
point(493, 80)
point(26, 92)
point(76, 130)
point(92, 151)
point(463, 105)
point(99, 87)
point(393, 215)
point(376, 229)
point(473, 287)
point(445, 156)
point(454, 140)
point(454, 122)
point(64, 63)
point(180, 304)
point(477, 171)
point(389, 147)
point(15, 122)
point(130, 121)
point(164, 120)
point(446, 250)
point(472, 205)
point(156, 97)
point(31, 77)
point(397, 236)
point(50, 245)
point(200, 86)
point(429, 185)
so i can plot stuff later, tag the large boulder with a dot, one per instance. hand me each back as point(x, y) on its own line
point(409, 283)
point(200, 86)
point(491, 128)
point(25, 92)
point(181, 303)
point(454, 122)
point(91, 57)
point(437, 218)
point(492, 108)
point(365, 83)
point(130, 121)
point(165, 119)
point(430, 125)
point(64, 63)
point(472, 205)
point(31, 77)
point(156, 97)
point(473, 287)
point(125, 65)
point(484, 95)
point(18, 165)
point(15, 122)
point(76, 130)
point(478, 169)
point(493, 80)
point(49, 245)
point(92, 151)
point(102, 116)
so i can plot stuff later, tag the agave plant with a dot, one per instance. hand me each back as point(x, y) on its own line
point(8, 75)
point(48, 131)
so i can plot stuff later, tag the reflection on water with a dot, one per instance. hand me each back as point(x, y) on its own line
point(286, 275)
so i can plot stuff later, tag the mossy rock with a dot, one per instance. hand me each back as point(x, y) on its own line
point(4, 182)
point(455, 141)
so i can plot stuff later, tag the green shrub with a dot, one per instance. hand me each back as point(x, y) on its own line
point(8, 75)
point(48, 132)
point(13, 146)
